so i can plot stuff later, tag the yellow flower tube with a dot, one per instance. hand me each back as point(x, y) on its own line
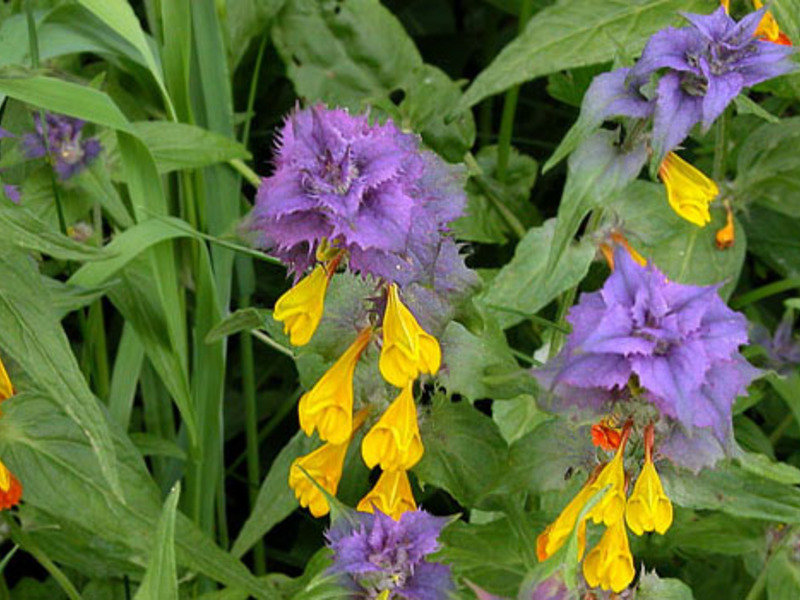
point(609, 565)
point(648, 508)
point(689, 190)
point(6, 388)
point(328, 406)
point(325, 466)
point(408, 350)
point(394, 441)
point(300, 308)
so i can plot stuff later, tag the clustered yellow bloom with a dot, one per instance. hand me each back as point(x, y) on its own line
point(689, 191)
point(394, 442)
point(609, 565)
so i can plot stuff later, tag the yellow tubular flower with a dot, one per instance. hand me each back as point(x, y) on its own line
point(328, 406)
point(556, 534)
point(325, 465)
point(768, 27)
point(611, 507)
point(648, 508)
point(391, 495)
point(6, 389)
point(689, 191)
point(300, 308)
point(394, 441)
point(609, 565)
point(407, 349)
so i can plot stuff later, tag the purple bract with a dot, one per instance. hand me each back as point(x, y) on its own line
point(367, 188)
point(676, 346)
point(380, 554)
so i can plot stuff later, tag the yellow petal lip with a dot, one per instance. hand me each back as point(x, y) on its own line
point(391, 495)
point(609, 565)
point(408, 350)
point(328, 406)
point(324, 465)
point(300, 308)
point(394, 442)
point(689, 190)
point(556, 534)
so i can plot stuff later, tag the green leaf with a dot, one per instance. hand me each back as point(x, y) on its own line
point(275, 499)
point(783, 575)
point(429, 98)
point(652, 587)
point(247, 19)
point(517, 416)
point(483, 220)
point(465, 453)
point(734, 491)
point(772, 236)
point(343, 52)
point(576, 33)
point(597, 171)
point(243, 319)
point(27, 231)
point(486, 554)
point(746, 106)
point(66, 98)
point(72, 513)
point(686, 253)
point(480, 365)
point(768, 168)
point(524, 287)
point(161, 579)
point(544, 457)
point(31, 334)
point(151, 445)
point(177, 146)
point(762, 465)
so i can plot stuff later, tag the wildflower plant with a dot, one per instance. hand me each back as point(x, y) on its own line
point(296, 304)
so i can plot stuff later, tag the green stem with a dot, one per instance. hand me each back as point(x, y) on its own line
point(251, 434)
point(778, 432)
point(510, 106)
point(27, 544)
point(271, 343)
point(251, 96)
point(765, 291)
point(251, 176)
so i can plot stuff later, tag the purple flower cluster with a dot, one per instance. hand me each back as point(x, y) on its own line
point(783, 350)
point(60, 137)
point(382, 555)
point(674, 346)
point(366, 188)
point(702, 68)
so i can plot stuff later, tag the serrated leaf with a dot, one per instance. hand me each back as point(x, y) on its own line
point(464, 452)
point(523, 286)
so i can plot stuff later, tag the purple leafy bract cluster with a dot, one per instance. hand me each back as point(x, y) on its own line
point(705, 66)
point(61, 138)
point(676, 345)
point(380, 554)
point(367, 188)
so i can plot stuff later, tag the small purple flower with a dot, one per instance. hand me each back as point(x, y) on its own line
point(641, 336)
point(12, 192)
point(383, 555)
point(60, 137)
point(708, 64)
point(368, 189)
